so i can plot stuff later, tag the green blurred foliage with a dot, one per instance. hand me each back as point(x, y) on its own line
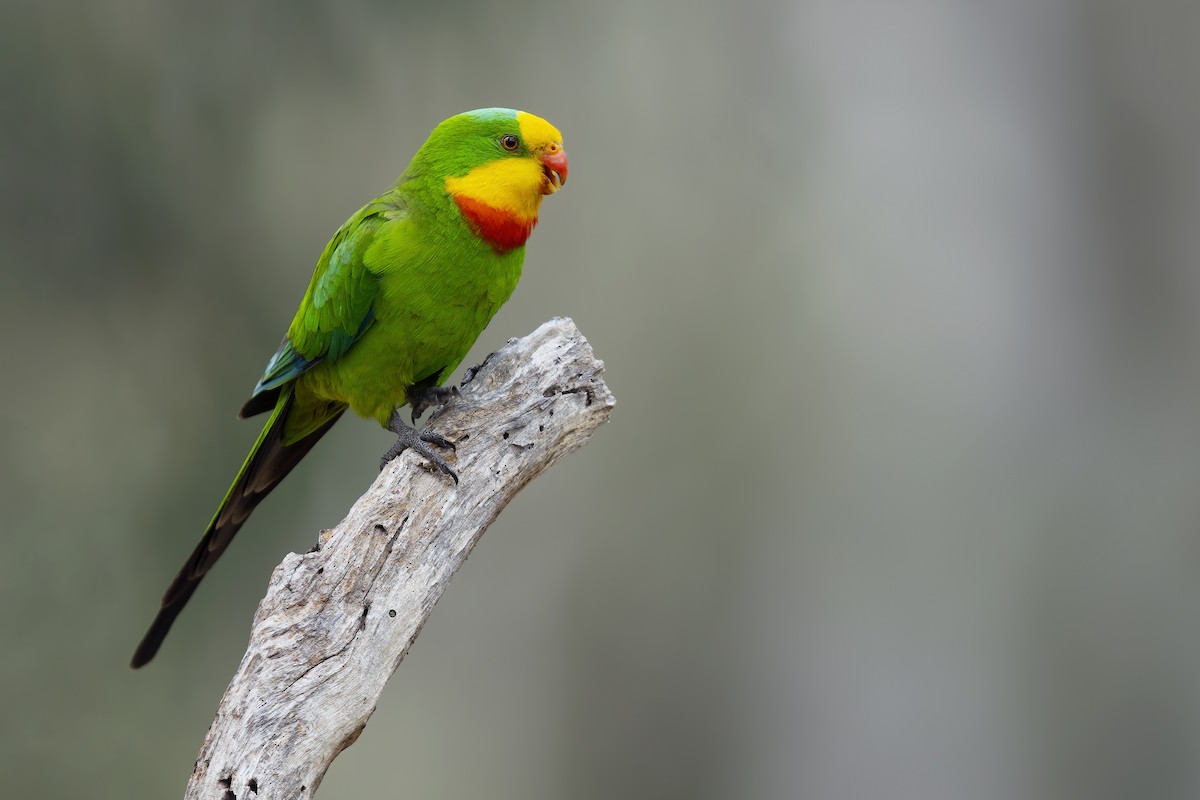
point(900, 305)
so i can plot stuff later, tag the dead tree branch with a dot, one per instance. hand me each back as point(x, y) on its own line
point(336, 622)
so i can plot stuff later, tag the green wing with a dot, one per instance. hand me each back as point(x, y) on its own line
point(336, 309)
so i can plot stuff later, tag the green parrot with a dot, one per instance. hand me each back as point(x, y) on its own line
point(398, 297)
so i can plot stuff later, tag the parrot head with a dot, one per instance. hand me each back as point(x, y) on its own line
point(496, 164)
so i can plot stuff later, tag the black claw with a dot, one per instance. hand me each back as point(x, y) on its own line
point(421, 399)
point(419, 441)
point(437, 439)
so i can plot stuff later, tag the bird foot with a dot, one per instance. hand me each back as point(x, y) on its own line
point(430, 396)
point(419, 441)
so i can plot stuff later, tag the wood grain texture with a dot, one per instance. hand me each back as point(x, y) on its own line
point(336, 622)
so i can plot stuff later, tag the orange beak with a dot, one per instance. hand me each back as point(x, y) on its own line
point(554, 166)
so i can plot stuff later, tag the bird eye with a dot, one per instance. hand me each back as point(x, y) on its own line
point(510, 142)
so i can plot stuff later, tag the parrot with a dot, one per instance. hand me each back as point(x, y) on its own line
point(399, 295)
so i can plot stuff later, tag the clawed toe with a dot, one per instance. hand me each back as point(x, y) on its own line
point(419, 400)
point(419, 441)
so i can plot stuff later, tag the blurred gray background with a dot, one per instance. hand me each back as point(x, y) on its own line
point(901, 305)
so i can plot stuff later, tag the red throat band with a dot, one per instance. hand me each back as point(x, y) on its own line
point(501, 229)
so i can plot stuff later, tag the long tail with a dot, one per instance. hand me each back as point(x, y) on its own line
point(269, 462)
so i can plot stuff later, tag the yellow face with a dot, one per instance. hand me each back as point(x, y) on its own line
point(516, 185)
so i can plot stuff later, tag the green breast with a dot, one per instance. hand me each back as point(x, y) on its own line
point(437, 292)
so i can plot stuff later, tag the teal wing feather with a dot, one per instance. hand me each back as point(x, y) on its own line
point(336, 310)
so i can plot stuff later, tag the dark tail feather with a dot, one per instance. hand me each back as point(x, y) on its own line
point(263, 401)
point(268, 463)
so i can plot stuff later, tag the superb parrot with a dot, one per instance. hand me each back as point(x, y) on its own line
point(398, 297)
